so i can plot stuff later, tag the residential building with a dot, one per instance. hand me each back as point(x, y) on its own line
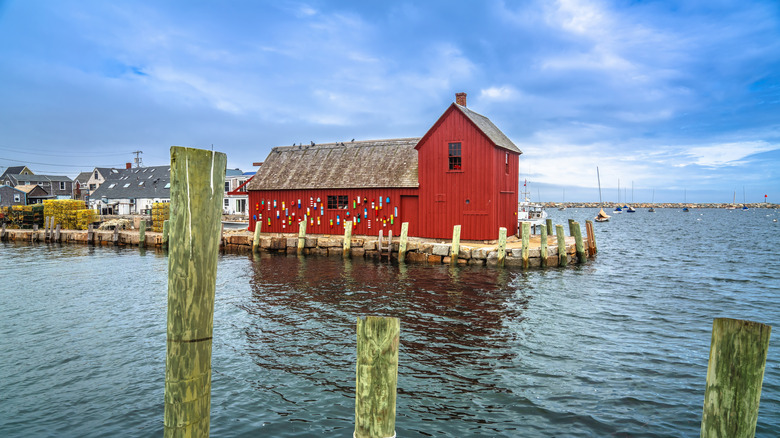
point(132, 190)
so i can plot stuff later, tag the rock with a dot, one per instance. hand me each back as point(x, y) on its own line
point(441, 249)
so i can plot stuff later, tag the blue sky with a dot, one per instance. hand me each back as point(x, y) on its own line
point(671, 97)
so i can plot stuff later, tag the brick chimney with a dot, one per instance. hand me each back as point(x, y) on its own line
point(128, 165)
point(460, 99)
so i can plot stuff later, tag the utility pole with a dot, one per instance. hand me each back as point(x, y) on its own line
point(138, 159)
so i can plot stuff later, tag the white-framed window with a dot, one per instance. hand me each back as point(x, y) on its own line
point(17, 197)
point(227, 186)
point(62, 185)
point(226, 201)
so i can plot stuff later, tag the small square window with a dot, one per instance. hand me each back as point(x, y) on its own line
point(338, 202)
point(17, 197)
point(454, 156)
point(227, 202)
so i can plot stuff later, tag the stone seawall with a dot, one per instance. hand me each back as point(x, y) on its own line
point(418, 250)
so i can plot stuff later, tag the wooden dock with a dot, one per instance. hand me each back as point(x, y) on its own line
point(418, 250)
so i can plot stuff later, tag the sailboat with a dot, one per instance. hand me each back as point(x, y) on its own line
point(562, 206)
point(685, 201)
point(744, 201)
point(617, 209)
point(601, 217)
point(733, 205)
point(652, 209)
point(630, 209)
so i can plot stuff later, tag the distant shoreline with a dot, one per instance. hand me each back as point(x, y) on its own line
point(657, 205)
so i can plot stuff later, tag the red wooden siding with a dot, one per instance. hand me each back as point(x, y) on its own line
point(481, 196)
point(373, 216)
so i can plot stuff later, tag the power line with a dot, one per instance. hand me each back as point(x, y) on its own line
point(58, 165)
point(68, 155)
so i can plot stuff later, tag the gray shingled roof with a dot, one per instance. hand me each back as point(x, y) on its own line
point(356, 164)
point(35, 179)
point(83, 177)
point(12, 170)
point(490, 130)
point(138, 182)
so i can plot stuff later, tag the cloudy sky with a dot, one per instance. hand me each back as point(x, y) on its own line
point(675, 98)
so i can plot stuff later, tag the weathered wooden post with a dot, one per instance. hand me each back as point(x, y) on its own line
point(571, 227)
point(222, 234)
point(402, 243)
point(376, 376)
point(166, 228)
point(301, 236)
point(142, 233)
point(734, 377)
point(256, 238)
point(501, 246)
point(526, 242)
point(581, 256)
point(34, 234)
point(543, 245)
point(197, 181)
point(591, 237)
point(549, 227)
point(347, 239)
point(57, 236)
point(90, 234)
point(563, 257)
point(455, 248)
point(2, 233)
point(116, 235)
point(389, 244)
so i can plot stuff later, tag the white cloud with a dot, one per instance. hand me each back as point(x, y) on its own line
point(727, 154)
point(503, 93)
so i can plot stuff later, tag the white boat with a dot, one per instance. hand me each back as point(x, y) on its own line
point(530, 212)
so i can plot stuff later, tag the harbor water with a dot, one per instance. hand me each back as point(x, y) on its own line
point(616, 347)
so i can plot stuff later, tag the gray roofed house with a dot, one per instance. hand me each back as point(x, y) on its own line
point(356, 164)
point(133, 190)
point(58, 186)
point(16, 170)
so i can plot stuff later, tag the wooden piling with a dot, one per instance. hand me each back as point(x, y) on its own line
point(526, 242)
point(376, 376)
point(402, 243)
point(543, 245)
point(57, 235)
point(116, 235)
point(142, 234)
point(591, 238)
point(549, 227)
point(347, 239)
point(581, 256)
point(571, 227)
point(563, 258)
point(501, 246)
point(197, 181)
point(301, 236)
point(256, 237)
point(2, 233)
point(379, 245)
point(90, 234)
point(166, 228)
point(734, 377)
point(389, 244)
point(455, 249)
